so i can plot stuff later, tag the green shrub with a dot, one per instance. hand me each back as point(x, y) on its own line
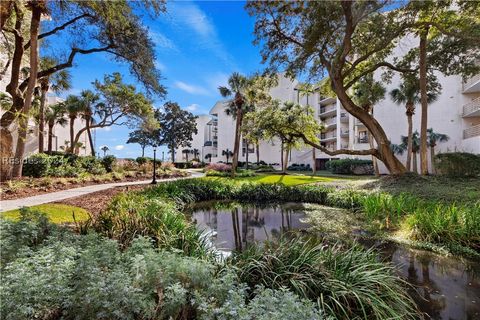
point(141, 160)
point(89, 277)
point(243, 173)
point(348, 284)
point(350, 166)
point(108, 162)
point(299, 167)
point(36, 165)
point(458, 164)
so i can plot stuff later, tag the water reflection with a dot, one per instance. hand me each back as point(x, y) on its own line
point(443, 287)
point(237, 227)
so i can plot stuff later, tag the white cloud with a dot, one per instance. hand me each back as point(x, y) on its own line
point(162, 41)
point(193, 107)
point(217, 79)
point(119, 147)
point(192, 89)
point(160, 66)
point(191, 16)
point(104, 129)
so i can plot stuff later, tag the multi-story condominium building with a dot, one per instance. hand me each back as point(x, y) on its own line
point(456, 113)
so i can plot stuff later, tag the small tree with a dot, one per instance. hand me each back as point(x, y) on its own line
point(54, 115)
point(104, 149)
point(227, 153)
point(177, 127)
point(433, 139)
point(143, 137)
point(186, 152)
point(208, 156)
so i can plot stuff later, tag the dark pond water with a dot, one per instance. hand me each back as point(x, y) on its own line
point(444, 287)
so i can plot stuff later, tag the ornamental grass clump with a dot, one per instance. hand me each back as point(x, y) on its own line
point(347, 284)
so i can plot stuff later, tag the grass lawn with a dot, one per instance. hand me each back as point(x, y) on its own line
point(56, 213)
point(289, 180)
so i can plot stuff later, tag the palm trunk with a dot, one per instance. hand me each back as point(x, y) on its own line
point(41, 118)
point(50, 136)
point(72, 135)
point(32, 81)
point(415, 167)
point(172, 150)
point(143, 151)
point(90, 140)
point(409, 142)
point(374, 160)
point(432, 159)
point(424, 102)
point(257, 149)
point(236, 146)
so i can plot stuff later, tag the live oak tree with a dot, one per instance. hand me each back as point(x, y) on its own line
point(142, 137)
point(291, 123)
point(177, 127)
point(113, 103)
point(344, 39)
point(87, 27)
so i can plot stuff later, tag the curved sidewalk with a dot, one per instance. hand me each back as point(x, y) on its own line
point(7, 205)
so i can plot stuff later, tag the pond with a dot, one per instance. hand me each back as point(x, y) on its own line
point(444, 287)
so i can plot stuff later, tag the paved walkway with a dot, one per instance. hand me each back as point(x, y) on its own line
point(7, 205)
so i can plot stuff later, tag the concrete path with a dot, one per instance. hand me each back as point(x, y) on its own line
point(7, 205)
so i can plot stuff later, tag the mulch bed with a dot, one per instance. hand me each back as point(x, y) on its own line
point(98, 201)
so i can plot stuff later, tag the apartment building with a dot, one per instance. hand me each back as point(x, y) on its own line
point(456, 113)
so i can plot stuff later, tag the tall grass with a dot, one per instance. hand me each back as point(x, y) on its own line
point(347, 284)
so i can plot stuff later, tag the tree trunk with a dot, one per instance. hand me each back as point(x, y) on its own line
point(72, 135)
point(374, 160)
point(50, 136)
point(314, 164)
point(409, 141)
point(143, 151)
point(285, 160)
point(32, 81)
point(173, 153)
point(415, 166)
point(281, 155)
point(41, 118)
point(236, 145)
point(257, 150)
point(6, 144)
point(432, 159)
point(424, 102)
point(89, 133)
point(386, 154)
point(246, 156)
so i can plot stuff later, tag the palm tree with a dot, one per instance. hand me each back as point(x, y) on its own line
point(408, 93)
point(54, 114)
point(186, 152)
point(209, 157)
point(86, 100)
point(74, 108)
point(227, 153)
point(57, 82)
point(238, 86)
point(403, 146)
point(433, 138)
point(195, 153)
point(104, 149)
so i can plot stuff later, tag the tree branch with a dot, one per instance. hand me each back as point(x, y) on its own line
point(59, 28)
point(375, 67)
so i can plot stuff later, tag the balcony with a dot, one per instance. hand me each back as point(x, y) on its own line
point(325, 137)
point(362, 139)
point(327, 111)
point(344, 133)
point(343, 117)
point(471, 132)
point(472, 85)
point(472, 109)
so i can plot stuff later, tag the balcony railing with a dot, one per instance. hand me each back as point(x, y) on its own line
point(327, 137)
point(344, 133)
point(472, 107)
point(326, 110)
point(362, 139)
point(344, 117)
point(470, 82)
point(471, 132)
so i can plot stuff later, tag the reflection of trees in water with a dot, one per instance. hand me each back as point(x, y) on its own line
point(236, 230)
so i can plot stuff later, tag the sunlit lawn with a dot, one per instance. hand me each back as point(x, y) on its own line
point(289, 180)
point(56, 213)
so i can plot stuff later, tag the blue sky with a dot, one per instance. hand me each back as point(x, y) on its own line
point(198, 44)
